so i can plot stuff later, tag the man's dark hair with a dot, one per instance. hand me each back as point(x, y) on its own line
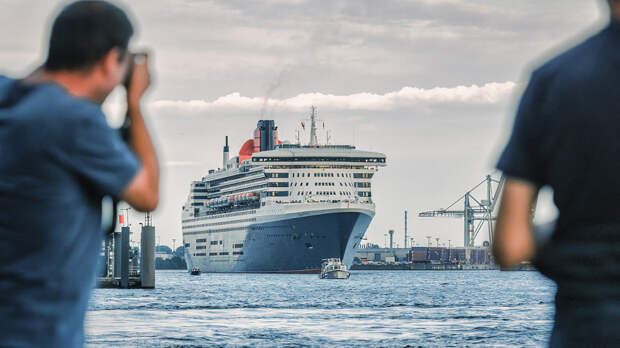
point(84, 32)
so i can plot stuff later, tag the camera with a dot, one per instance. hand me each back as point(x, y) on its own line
point(136, 58)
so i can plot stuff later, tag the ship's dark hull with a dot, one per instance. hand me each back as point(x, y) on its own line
point(294, 245)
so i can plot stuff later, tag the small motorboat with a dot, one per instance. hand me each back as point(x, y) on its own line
point(334, 269)
point(195, 270)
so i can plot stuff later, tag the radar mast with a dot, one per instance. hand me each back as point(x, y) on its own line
point(313, 138)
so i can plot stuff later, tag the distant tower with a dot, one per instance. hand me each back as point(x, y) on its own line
point(313, 138)
point(391, 232)
point(405, 229)
point(225, 155)
point(437, 240)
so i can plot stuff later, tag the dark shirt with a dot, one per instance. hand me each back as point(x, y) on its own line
point(58, 158)
point(567, 136)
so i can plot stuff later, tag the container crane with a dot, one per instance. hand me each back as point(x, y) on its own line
point(474, 210)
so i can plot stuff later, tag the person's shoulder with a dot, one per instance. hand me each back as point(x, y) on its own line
point(578, 60)
point(62, 106)
point(5, 86)
point(75, 107)
point(4, 80)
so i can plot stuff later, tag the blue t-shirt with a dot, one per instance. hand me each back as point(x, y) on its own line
point(58, 158)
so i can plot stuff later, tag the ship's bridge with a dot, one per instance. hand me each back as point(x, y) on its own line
point(326, 173)
point(309, 155)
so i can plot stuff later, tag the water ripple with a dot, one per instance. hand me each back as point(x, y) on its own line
point(372, 308)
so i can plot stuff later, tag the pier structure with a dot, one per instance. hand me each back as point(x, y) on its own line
point(147, 254)
point(120, 260)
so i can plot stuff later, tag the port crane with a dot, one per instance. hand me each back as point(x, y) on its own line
point(476, 212)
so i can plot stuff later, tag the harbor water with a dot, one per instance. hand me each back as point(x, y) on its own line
point(372, 308)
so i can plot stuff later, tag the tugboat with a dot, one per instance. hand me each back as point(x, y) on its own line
point(195, 270)
point(334, 269)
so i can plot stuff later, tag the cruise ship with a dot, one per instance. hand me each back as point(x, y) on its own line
point(278, 207)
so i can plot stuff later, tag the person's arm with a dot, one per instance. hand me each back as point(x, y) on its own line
point(514, 241)
point(142, 193)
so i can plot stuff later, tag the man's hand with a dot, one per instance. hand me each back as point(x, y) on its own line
point(143, 191)
point(513, 241)
point(139, 81)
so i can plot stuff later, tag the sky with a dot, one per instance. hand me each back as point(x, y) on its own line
point(433, 84)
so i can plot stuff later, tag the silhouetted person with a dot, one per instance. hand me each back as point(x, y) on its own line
point(58, 158)
point(567, 136)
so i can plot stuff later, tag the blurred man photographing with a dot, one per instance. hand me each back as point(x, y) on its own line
point(58, 159)
point(567, 136)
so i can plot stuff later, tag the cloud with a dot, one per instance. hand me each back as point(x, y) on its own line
point(181, 163)
point(489, 93)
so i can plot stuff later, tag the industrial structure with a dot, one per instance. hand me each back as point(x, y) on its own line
point(405, 245)
point(476, 211)
point(425, 257)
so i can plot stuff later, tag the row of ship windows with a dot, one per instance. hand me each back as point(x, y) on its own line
point(219, 188)
point(319, 159)
point(337, 175)
point(320, 175)
point(332, 193)
point(277, 175)
point(242, 190)
point(203, 247)
point(221, 215)
point(324, 193)
point(217, 230)
point(278, 193)
point(233, 177)
point(221, 223)
point(293, 236)
point(223, 186)
point(295, 184)
point(278, 184)
point(281, 194)
point(215, 242)
point(323, 167)
point(221, 253)
point(286, 193)
point(356, 184)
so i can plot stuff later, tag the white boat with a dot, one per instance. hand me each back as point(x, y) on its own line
point(334, 269)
